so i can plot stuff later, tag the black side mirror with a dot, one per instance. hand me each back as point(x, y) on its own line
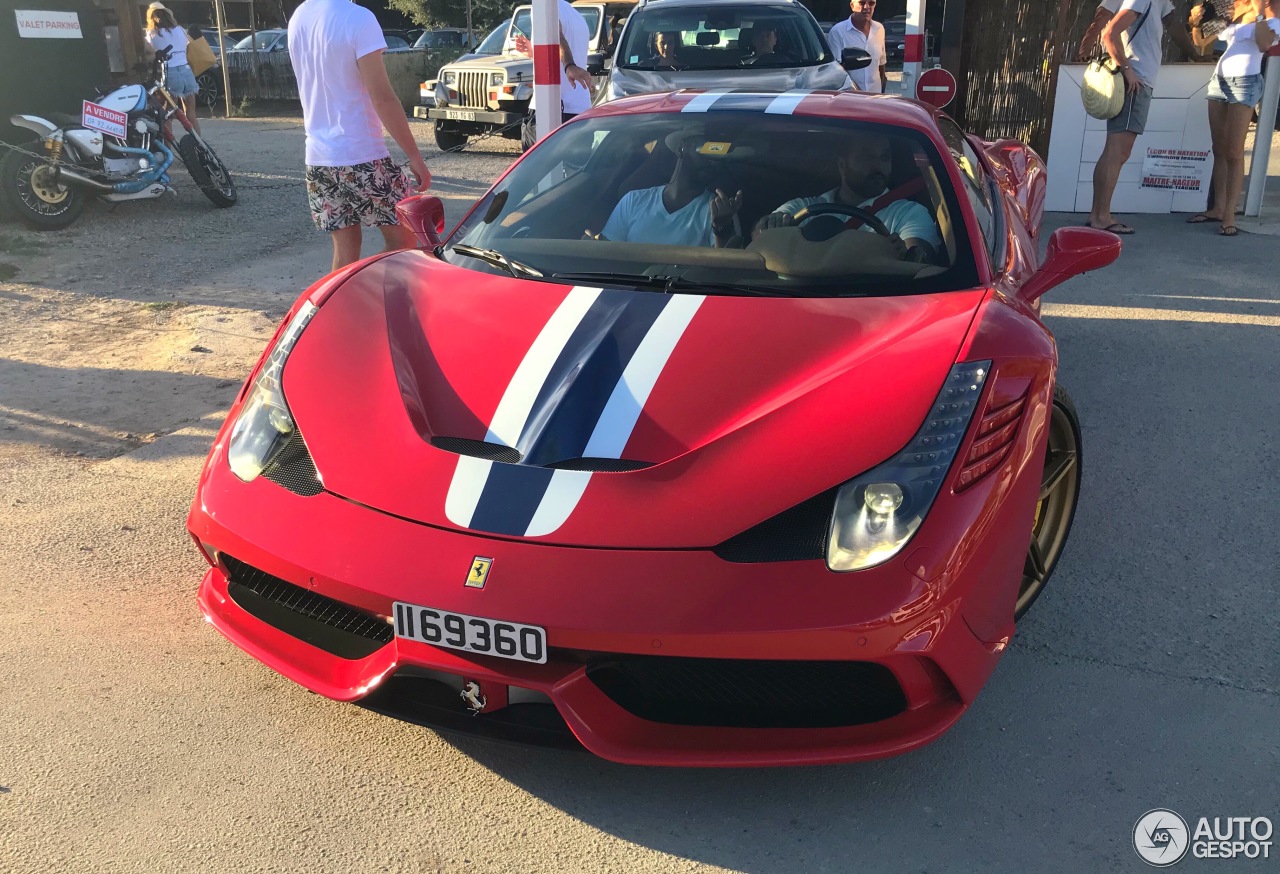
point(854, 59)
point(595, 64)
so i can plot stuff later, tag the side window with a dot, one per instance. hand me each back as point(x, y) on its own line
point(977, 185)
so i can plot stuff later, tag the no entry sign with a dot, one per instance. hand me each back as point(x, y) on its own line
point(936, 86)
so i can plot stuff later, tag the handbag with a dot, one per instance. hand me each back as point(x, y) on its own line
point(1102, 87)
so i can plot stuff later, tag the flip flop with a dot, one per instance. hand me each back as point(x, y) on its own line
point(1228, 231)
point(1115, 228)
point(1201, 219)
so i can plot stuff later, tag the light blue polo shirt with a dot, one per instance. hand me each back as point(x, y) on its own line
point(641, 217)
point(906, 218)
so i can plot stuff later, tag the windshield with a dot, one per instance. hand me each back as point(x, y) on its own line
point(265, 39)
point(523, 21)
point(722, 36)
point(492, 44)
point(825, 207)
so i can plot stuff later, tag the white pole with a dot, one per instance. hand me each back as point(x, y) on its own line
point(913, 55)
point(546, 64)
point(1262, 138)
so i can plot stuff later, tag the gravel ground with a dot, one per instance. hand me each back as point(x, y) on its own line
point(145, 314)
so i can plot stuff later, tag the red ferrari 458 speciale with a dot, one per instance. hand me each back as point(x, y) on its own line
point(723, 430)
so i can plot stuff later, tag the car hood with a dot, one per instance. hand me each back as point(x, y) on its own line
point(625, 81)
point(606, 417)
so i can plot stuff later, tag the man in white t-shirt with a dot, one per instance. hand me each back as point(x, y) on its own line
point(685, 211)
point(336, 48)
point(865, 162)
point(575, 81)
point(861, 31)
point(1132, 33)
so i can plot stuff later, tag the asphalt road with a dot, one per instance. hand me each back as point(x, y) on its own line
point(134, 738)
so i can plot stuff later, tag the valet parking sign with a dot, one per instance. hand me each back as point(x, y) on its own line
point(1175, 169)
point(43, 24)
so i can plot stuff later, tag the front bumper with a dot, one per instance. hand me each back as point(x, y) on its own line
point(462, 116)
point(598, 606)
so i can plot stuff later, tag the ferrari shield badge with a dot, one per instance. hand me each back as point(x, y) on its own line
point(479, 572)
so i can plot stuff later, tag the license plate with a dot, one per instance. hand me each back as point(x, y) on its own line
point(460, 114)
point(508, 640)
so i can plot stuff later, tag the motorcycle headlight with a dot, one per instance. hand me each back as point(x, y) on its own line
point(265, 424)
point(877, 513)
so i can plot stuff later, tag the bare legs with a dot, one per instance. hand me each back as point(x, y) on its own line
point(189, 107)
point(1105, 175)
point(1228, 124)
point(346, 242)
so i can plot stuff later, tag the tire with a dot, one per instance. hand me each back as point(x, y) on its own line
point(208, 171)
point(210, 89)
point(449, 141)
point(1056, 509)
point(43, 206)
point(528, 132)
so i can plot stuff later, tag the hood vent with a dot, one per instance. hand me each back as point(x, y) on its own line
point(507, 455)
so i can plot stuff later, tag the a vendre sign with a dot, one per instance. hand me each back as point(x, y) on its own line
point(42, 24)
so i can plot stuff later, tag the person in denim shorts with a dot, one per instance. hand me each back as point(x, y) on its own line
point(1234, 90)
point(163, 33)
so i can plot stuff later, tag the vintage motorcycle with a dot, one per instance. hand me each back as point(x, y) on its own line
point(120, 148)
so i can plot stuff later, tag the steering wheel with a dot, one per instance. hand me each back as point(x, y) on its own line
point(868, 218)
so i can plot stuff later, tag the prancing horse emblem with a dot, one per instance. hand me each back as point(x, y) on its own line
point(479, 572)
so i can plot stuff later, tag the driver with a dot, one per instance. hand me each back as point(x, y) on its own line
point(685, 211)
point(764, 43)
point(865, 162)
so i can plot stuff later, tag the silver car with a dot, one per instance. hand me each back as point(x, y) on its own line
point(765, 45)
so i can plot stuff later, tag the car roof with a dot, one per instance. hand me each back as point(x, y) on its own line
point(853, 105)
point(669, 4)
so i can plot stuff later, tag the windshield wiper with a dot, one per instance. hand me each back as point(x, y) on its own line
point(670, 284)
point(497, 259)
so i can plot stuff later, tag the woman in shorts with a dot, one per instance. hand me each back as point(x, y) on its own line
point(1234, 90)
point(163, 33)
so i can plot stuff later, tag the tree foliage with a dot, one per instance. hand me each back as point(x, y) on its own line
point(453, 13)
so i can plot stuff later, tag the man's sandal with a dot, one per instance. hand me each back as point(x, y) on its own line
point(1228, 231)
point(1201, 219)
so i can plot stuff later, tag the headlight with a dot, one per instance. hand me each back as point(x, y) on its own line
point(877, 513)
point(265, 423)
point(496, 78)
point(449, 77)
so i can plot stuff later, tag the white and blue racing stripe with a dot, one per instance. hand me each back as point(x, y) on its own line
point(769, 101)
point(578, 393)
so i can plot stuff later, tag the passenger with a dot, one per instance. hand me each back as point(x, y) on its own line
point(666, 47)
point(684, 212)
point(865, 162)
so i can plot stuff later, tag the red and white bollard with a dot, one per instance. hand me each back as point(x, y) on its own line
point(546, 64)
point(913, 51)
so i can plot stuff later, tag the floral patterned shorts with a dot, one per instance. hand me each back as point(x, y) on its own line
point(364, 194)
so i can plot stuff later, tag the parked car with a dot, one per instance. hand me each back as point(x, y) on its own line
point(396, 41)
point(683, 505)
point(273, 40)
point(444, 38)
point(716, 48)
point(233, 35)
point(491, 95)
point(895, 39)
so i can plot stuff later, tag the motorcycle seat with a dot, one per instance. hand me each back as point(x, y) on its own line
point(64, 119)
